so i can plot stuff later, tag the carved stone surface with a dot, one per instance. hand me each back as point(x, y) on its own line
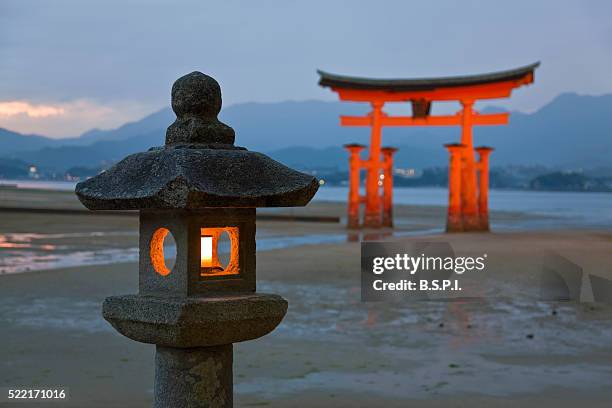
point(193, 377)
point(185, 178)
point(195, 321)
point(196, 100)
point(186, 277)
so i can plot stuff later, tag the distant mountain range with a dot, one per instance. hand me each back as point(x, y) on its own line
point(572, 131)
point(13, 142)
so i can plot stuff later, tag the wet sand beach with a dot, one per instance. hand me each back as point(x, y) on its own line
point(331, 350)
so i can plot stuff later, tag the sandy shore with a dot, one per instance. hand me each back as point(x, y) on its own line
point(504, 348)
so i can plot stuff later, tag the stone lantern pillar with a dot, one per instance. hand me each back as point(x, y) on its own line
point(387, 216)
point(483, 186)
point(198, 187)
point(354, 199)
point(454, 220)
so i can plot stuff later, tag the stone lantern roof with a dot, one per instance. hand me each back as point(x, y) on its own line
point(198, 167)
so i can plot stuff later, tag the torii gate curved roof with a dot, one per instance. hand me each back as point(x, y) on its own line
point(522, 75)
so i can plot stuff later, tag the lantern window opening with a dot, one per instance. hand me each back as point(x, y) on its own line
point(159, 244)
point(210, 262)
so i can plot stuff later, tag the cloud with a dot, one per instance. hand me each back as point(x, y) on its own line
point(25, 108)
point(69, 119)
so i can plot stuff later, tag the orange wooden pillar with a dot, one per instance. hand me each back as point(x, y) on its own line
point(372, 217)
point(354, 199)
point(387, 215)
point(469, 201)
point(483, 190)
point(454, 220)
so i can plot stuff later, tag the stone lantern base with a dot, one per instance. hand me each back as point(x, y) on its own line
point(194, 336)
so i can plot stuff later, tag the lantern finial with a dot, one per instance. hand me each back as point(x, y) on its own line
point(196, 100)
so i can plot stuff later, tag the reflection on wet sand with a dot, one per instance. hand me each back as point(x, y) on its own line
point(23, 252)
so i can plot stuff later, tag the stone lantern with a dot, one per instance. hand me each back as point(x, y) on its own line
point(197, 187)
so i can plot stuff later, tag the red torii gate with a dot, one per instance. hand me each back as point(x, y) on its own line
point(468, 198)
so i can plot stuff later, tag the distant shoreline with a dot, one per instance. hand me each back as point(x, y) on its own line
point(61, 185)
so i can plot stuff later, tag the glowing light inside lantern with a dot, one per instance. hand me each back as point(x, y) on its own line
point(206, 251)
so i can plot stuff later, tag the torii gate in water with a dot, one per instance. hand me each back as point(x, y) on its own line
point(468, 178)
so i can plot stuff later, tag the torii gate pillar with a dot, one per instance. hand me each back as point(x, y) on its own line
point(454, 220)
point(387, 214)
point(354, 199)
point(483, 190)
point(372, 217)
point(469, 200)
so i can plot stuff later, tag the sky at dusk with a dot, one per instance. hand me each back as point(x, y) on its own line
point(69, 66)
